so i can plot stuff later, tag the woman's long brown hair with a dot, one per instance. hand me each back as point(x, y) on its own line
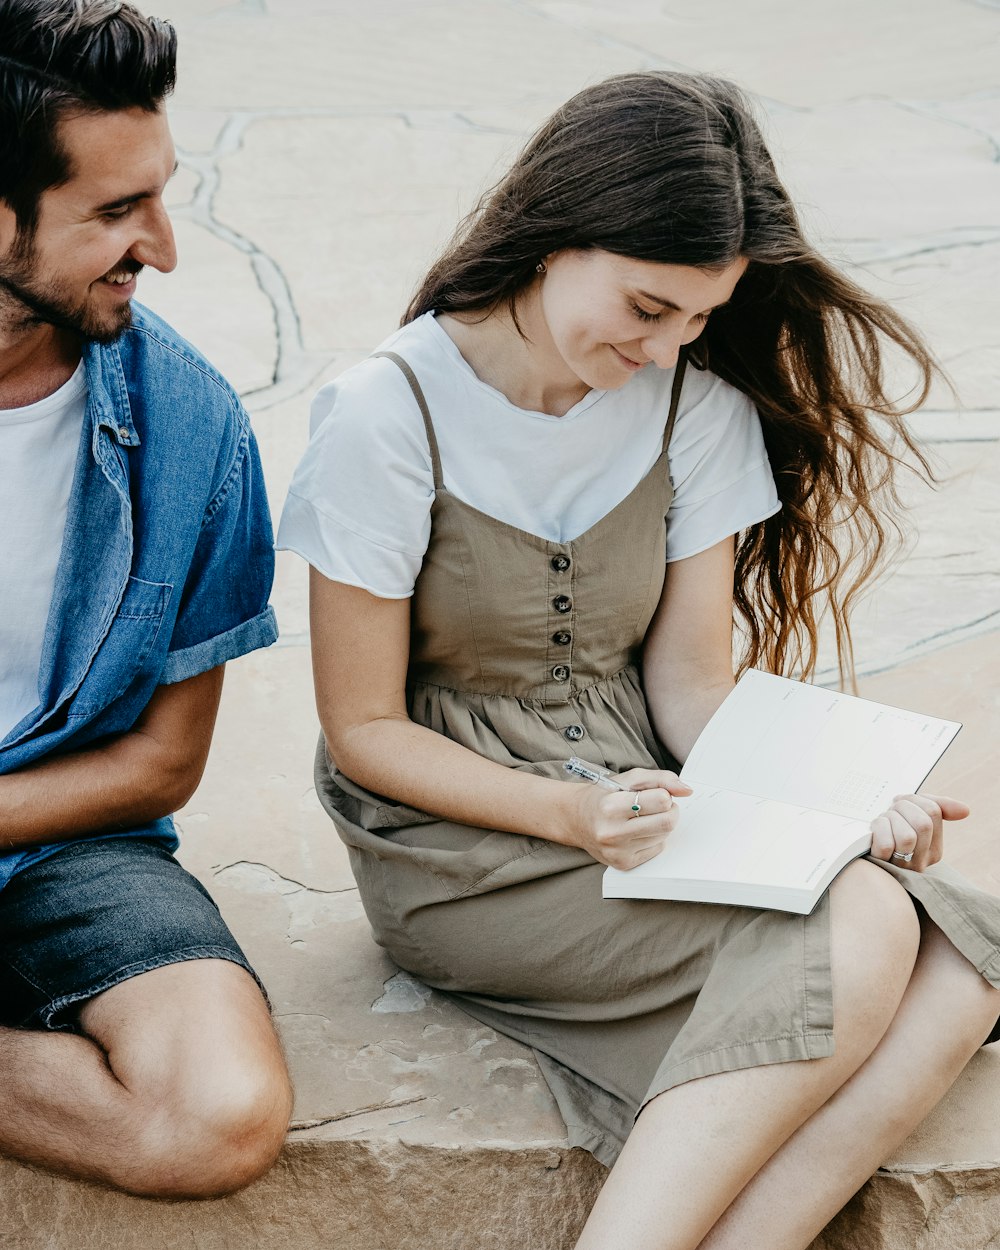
point(673, 168)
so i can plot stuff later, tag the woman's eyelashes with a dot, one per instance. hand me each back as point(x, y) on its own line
point(644, 315)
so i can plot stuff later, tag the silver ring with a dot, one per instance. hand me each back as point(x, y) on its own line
point(903, 859)
point(636, 805)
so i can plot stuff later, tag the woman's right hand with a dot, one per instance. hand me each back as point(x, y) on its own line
point(606, 827)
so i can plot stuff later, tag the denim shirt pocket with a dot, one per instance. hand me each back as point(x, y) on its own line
point(125, 646)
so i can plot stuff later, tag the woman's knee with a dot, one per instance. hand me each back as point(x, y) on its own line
point(875, 939)
point(958, 992)
point(871, 909)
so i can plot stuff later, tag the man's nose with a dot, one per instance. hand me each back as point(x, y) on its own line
point(156, 246)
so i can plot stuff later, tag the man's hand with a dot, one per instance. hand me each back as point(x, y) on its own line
point(126, 782)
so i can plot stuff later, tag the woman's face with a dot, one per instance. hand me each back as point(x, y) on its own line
point(607, 315)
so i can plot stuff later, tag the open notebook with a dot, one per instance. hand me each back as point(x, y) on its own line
point(787, 779)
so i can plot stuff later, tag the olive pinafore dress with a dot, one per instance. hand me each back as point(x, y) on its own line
point(527, 651)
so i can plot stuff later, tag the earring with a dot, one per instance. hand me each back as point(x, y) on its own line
point(540, 267)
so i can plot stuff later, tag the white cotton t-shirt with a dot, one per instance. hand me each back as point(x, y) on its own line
point(38, 450)
point(359, 505)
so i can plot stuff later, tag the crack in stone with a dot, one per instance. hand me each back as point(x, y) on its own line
point(309, 910)
point(290, 881)
point(962, 632)
point(937, 110)
point(293, 368)
point(648, 60)
point(947, 442)
point(959, 411)
point(882, 251)
point(301, 1126)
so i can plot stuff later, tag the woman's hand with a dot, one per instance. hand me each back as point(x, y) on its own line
point(607, 828)
point(913, 827)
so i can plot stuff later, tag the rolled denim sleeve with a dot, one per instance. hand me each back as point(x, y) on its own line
point(224, 611)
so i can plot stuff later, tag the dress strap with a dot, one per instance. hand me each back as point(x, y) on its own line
point(425, 412)
point(675, 396)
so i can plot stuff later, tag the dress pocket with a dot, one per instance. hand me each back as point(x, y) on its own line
point(125, 647)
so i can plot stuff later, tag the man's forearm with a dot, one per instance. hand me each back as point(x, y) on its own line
point(120, 785)
point(126, 782)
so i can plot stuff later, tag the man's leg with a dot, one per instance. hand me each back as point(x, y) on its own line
point(174, 1084)
point(177, 1089)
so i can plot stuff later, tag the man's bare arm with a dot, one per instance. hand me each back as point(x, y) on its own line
point(146, 773)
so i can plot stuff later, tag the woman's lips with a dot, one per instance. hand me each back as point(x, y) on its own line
point(627, 361)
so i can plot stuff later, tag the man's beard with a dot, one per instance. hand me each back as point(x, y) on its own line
point(46, 304)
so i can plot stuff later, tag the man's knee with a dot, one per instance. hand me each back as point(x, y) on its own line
point(203, 1143)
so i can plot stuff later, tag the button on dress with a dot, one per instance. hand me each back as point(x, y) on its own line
point(527, 651)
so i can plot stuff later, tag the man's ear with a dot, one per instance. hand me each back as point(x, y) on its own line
point(8, 228)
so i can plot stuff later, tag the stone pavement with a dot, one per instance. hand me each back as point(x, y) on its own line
point(326, 150)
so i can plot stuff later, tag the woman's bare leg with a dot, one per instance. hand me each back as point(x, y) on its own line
point(696, 1147)
point(947, 1011)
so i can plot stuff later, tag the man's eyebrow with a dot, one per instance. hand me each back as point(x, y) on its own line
point(668, 303)
point(134, 198)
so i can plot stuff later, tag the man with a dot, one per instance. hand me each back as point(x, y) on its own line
point(135, 558)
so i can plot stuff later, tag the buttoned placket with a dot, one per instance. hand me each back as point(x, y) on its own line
point(97, 548)
point(562, 615)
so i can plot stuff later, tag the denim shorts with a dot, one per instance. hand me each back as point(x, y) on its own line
point(94, 915)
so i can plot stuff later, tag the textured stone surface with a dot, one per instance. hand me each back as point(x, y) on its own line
point(326, 149)
point(947, 1208)
point(365, 1195)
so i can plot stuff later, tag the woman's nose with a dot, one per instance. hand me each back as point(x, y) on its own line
point(663, 347)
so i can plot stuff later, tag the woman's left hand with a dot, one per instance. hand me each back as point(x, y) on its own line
point(913, 827)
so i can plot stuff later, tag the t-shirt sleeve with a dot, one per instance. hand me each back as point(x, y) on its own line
point(224, 611)
point(722, 477)
point(359, 506)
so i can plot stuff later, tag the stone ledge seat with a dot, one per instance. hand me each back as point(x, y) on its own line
point(438, 1134)
point(416, 1128)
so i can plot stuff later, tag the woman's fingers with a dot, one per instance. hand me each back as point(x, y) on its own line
point(910, 832)
point(623, 837)
point(632, 853)
point(622, 824)
point(906, 839)
point(653, 779)
point(649, 802)
point(937, 804)
point(631, 825)
point(883, 842)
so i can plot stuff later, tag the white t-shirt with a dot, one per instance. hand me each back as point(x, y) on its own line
point(38, 450)
point(359, 505)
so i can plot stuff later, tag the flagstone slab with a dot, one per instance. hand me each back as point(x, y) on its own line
point(327, 149)
point(354, 235)
point(808, 54)
point(214, 299)
point(384, 55)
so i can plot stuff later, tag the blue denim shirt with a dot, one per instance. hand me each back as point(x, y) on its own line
point(167, 559)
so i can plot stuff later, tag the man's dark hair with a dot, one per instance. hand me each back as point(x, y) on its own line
point(64, 57)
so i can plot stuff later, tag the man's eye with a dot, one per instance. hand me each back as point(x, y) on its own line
point(115, 214)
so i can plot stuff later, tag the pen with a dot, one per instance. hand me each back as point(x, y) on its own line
point(578, 768)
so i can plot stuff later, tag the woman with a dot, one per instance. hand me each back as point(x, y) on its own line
point(494, 589)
